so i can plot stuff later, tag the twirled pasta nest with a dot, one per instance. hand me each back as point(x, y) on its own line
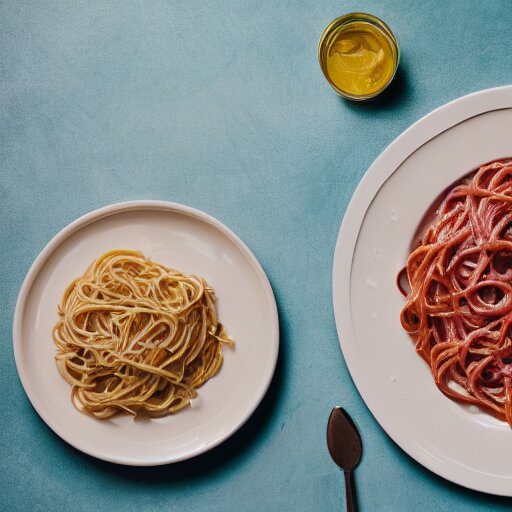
point(135, 336)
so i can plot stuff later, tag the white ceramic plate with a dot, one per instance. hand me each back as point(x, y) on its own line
point(182, 238)
point(457, 442)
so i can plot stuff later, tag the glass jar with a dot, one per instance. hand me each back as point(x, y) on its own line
point(358, 54)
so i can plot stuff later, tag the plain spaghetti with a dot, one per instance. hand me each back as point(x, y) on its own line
point(459, 301)
point(134, 336)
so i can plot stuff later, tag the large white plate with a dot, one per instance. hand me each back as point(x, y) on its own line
point(457, 442)
point(182, 238)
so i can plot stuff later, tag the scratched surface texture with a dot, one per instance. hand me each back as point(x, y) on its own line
point(221, 106)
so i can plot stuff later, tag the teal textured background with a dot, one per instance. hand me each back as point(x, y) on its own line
point(220, 105)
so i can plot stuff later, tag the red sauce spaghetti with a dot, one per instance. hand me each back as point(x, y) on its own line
point(459, 305)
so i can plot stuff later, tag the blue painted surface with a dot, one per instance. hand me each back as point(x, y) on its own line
point(222, 106)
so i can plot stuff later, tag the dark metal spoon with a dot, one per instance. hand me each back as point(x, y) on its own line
point(345, 447)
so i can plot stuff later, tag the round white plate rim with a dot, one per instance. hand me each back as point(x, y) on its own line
point(418, 134)
point(106, 211)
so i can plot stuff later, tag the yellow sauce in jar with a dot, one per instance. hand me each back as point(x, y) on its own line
point(358, 55)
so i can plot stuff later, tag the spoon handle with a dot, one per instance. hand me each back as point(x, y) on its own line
point(350, 492)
